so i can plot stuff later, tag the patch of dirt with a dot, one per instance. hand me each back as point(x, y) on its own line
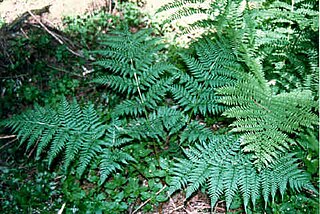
point(12, 9)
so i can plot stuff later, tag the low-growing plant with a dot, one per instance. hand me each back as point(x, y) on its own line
point(29, 188)
point(159, 128)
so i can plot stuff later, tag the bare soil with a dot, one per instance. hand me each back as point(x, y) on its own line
point(12, 9)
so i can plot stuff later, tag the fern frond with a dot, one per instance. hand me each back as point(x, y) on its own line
point(136, 71)
point(118, 83)
point(158, 125)
point(266, 120)
point(129, 107)
point(195, 131)
point(110, 162)
point(228, 171)
point(75, 133)
point(180, 171)
point(215, 66)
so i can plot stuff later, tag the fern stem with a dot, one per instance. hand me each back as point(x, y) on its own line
point(139, 91)
point(139, 171)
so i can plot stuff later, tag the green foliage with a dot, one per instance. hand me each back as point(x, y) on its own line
point(287, 40)
point(227, 170)
point(26, 188)
point(202, 15)
point(308, 151)
point(133, 15)
point(256, 72)
point(138, 182)
point(298, 203)
point(213, 68)
point(76, 132)
point(282, 34)
point(88, 28)
point(33, 72)
point(267, 120)
point(134, 70)
point(2, 23)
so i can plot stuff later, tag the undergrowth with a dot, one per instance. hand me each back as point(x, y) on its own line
point(233, 114)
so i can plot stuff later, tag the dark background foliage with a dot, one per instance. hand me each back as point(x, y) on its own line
point(146, 117)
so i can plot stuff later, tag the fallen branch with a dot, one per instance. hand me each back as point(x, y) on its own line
point(177, 208)
point(54, 35)
point(144, 203)
point(63, 70)
point(11, 141)
point(7, 136)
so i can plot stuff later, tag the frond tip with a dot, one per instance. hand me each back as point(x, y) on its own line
point(77, 133)
point(228, 171)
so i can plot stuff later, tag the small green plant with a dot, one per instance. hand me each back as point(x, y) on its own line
point(132, 14)
point(29, 189)
point(31, 78)
point(78, 133)
point(2, 22)
point(88, 28)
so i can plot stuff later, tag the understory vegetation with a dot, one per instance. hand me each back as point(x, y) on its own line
point(225, 104)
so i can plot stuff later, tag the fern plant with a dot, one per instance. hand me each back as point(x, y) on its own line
point(133, 68)
point(287, 40)
point(214, 67)
point(284, 35)
point(267, 122)
point(228, 171)
point(192, 19)
point(77, 135)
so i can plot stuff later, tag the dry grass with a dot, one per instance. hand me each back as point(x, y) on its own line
point(12, 9)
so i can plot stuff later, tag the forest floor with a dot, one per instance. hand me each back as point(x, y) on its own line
point(10, 10)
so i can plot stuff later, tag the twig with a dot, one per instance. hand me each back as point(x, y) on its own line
point(177, 208)
point(57, 178)
point(86, 71)
point(53, 34)
point(44, 27)
point(216, 207)
point(62, 208)
point(63, 70)
point(7, 136)
point(144, 203)
point(33, 149)
point(24, 33)
point(172, 201)
point(187, 211)
point(11, 141)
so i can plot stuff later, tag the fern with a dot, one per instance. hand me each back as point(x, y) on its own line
point(285, 37)
point(202, 16)
point(136, 71)
point(228, 171)
point(215, 66)
point(77, 133)
point(194, 132)
point(158, 125)
point(266, 120)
